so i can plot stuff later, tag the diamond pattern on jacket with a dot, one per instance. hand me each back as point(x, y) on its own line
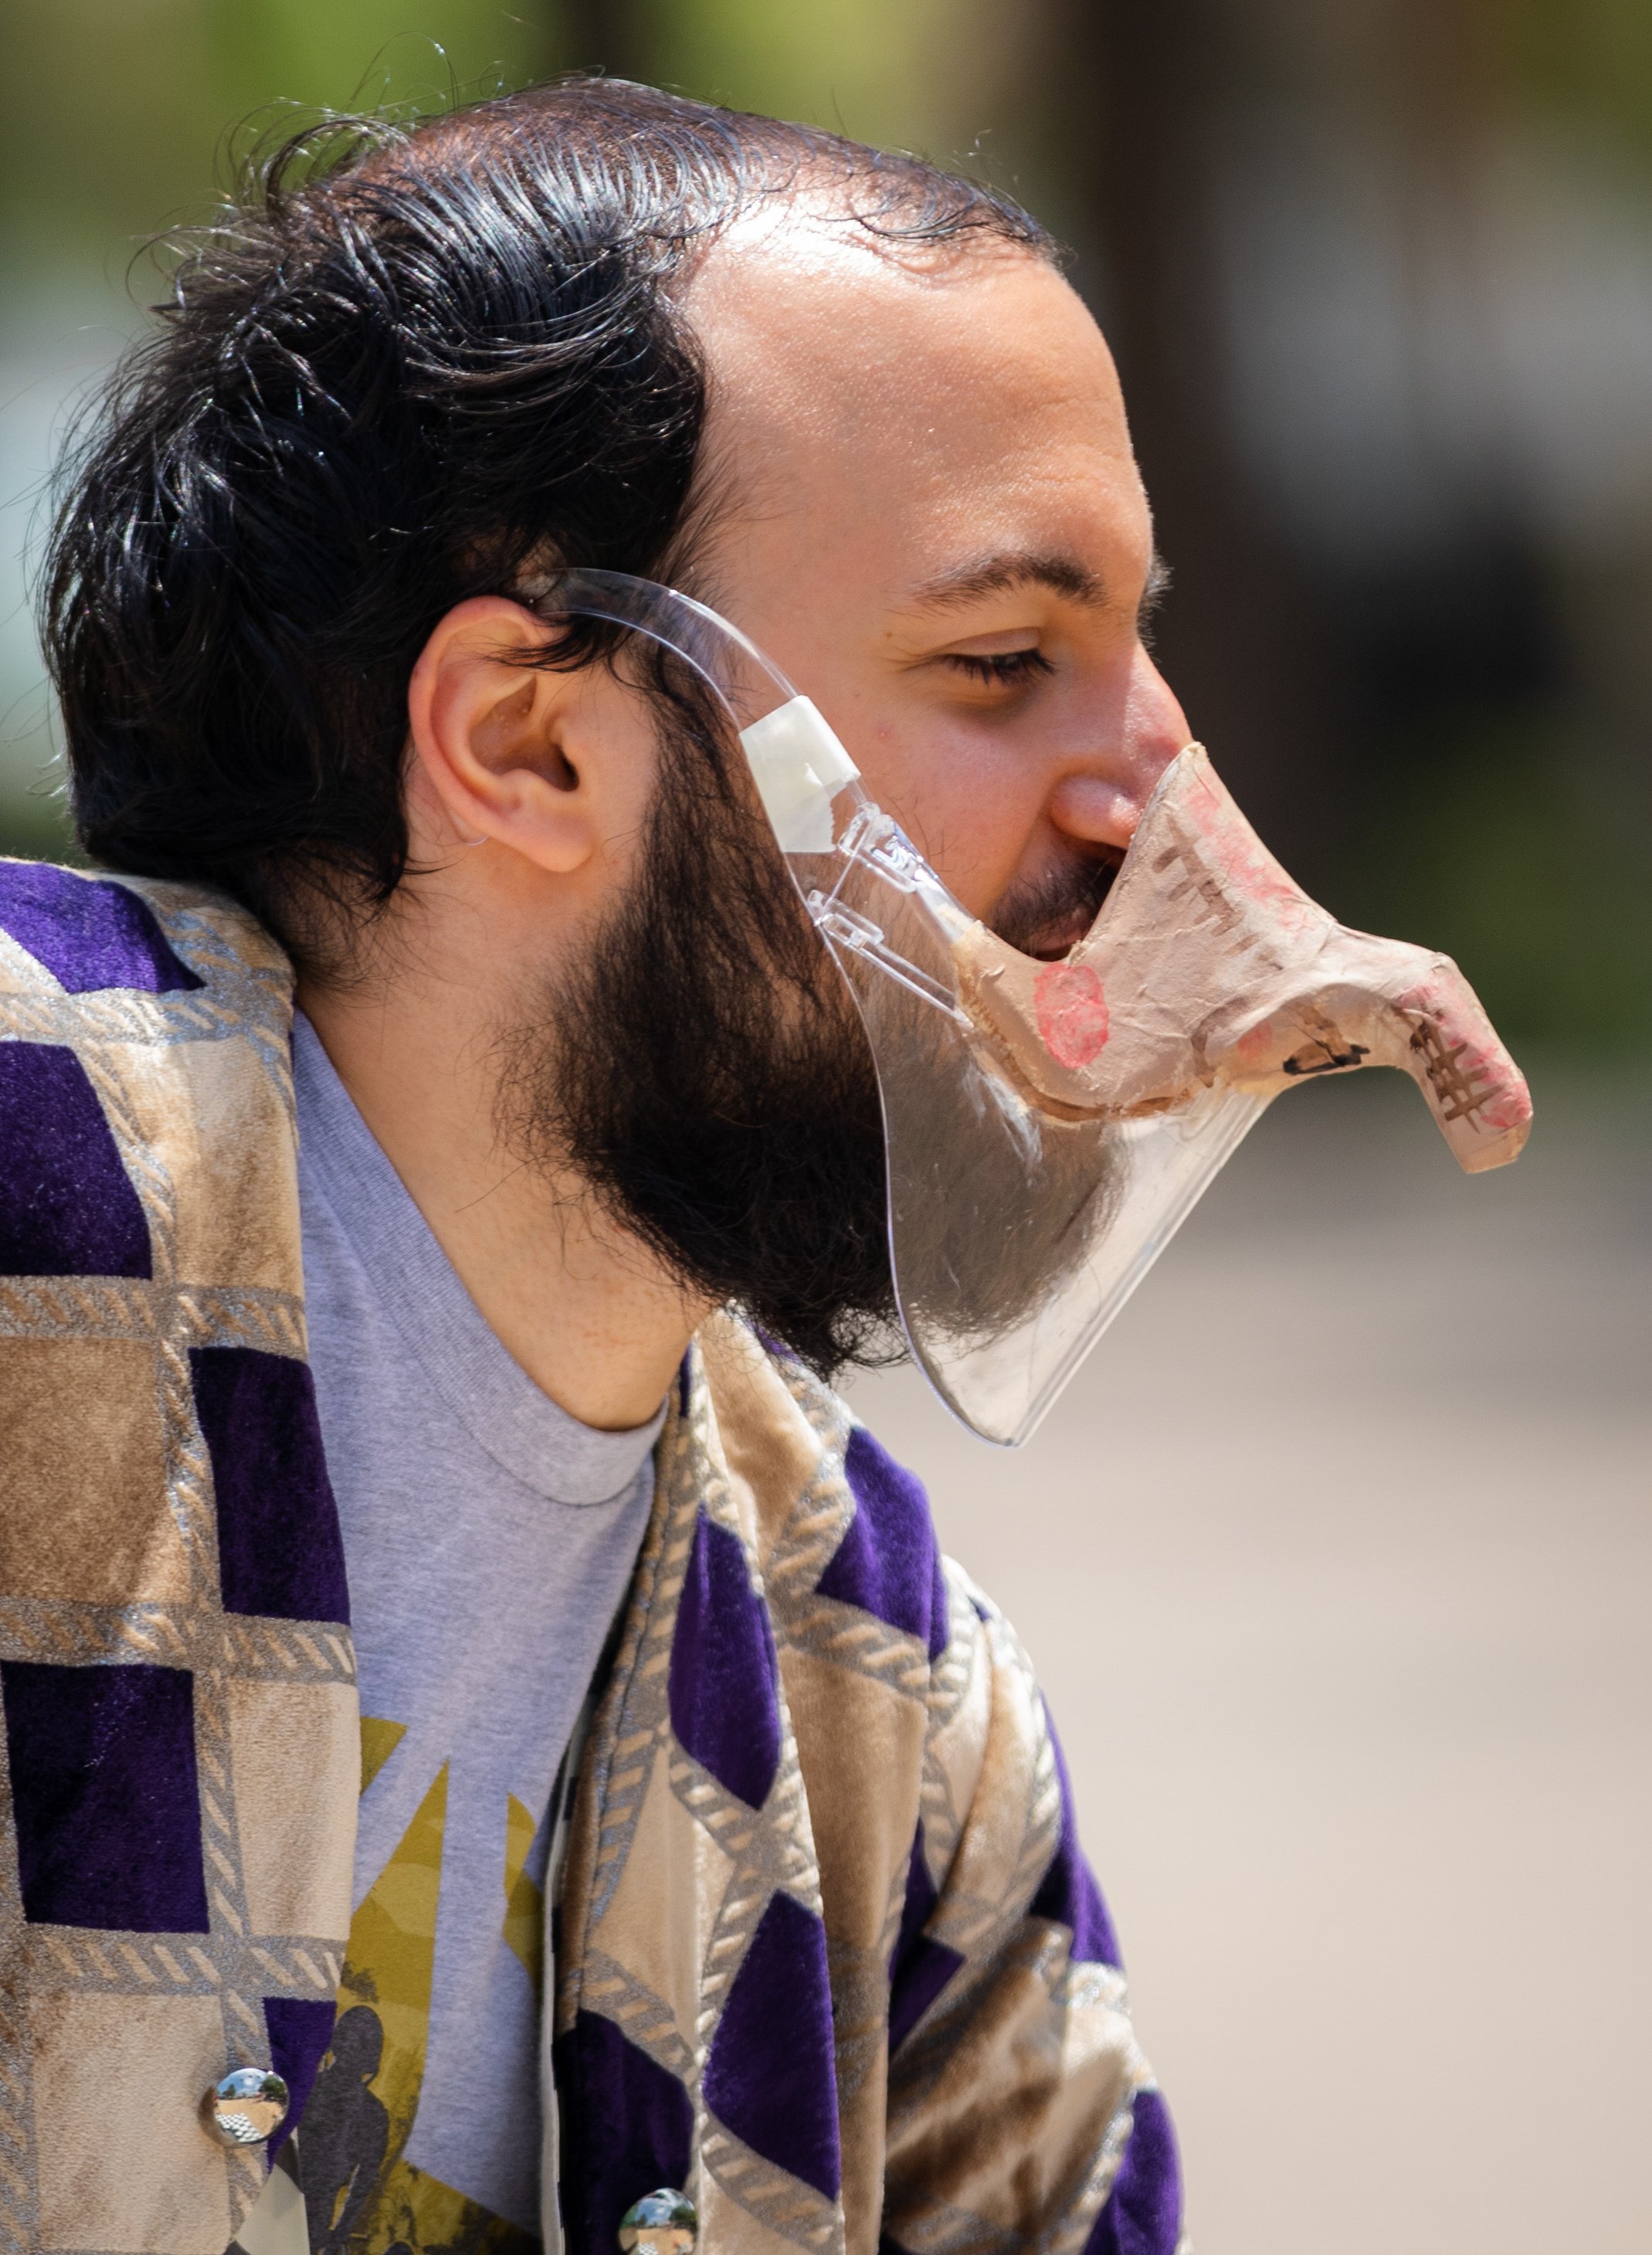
point(300, 2030)
point(769, 2075)
point(174, 1865)
point(280, 1550)
point(67, 1207)
point(1144, 2214)
point(90, 933)
point(888, 1562)
point(631, 2126)
point(920, 1967)
point(1068, 1893)
point(723, 1687)
point(104, 1796)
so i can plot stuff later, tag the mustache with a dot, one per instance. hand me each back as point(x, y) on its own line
point(1048, 915)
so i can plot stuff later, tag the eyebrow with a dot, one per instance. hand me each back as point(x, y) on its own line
point(1062, 575)
point(996, 575)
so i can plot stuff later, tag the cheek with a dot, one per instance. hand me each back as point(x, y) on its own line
point(970, 810)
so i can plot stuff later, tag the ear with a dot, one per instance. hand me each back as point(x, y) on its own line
point(494, 743)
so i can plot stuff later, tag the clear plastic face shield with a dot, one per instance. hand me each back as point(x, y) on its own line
point(1050, 1126)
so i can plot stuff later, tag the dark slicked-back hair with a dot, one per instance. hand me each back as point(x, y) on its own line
point(405, 366)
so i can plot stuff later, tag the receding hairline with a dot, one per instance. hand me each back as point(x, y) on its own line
point(897, 198)
point(819, 205)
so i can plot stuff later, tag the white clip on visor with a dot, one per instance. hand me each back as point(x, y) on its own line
point(1050, 1126)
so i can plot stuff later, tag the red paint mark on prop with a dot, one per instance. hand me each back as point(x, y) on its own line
point(1510, 1108)
point(1255, 1045)
point(1072, 1013)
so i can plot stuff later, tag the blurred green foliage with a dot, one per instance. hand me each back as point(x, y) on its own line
point(1591, 57)
point(121, 109)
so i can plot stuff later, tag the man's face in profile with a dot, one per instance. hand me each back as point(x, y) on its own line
point(925, 507)
point(919, 498)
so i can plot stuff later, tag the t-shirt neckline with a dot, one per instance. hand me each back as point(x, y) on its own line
point(518, 1424)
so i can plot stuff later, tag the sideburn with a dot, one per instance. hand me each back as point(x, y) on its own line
point(705, 1071)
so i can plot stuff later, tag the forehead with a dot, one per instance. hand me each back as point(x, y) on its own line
point(906, 402)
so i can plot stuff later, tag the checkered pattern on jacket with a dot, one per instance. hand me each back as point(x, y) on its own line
point(831, 1958)
point(179, 1755)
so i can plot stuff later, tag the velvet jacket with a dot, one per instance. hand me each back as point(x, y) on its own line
point(829, 1957)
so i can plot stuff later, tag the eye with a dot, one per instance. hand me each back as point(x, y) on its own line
point(1005, 668)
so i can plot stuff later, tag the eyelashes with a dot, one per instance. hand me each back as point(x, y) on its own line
point(1003, 669)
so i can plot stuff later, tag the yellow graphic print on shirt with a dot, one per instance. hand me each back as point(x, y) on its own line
point(380, 1738)
point(524, 1902)
point(361, 2197)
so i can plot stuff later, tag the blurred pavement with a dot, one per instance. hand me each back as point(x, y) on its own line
point(1336, 1563)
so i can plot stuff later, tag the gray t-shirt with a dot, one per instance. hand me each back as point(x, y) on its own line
point(488, 1539)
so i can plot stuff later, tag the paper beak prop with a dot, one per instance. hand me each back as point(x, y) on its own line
point(1209, 968)
point(1049, 1126)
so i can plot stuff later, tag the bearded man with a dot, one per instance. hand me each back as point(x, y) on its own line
point(443, 1174)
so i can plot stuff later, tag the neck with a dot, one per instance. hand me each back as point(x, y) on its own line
point(583, 1308)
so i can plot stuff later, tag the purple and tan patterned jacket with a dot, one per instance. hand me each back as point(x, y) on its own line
point(829, 1956)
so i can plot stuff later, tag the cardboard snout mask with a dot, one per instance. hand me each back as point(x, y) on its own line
point(1209, 966)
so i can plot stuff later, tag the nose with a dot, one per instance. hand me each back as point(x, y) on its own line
point(1099, 800)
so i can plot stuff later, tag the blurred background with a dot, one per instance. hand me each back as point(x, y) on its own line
point(1336, 1561)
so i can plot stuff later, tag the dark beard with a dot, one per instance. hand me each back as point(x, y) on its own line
point(703, 1072)
point(706, 1072)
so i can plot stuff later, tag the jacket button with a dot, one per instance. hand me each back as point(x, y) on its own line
point(660, 2224)
point(248, 2106)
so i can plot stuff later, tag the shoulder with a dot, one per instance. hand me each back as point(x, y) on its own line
point(77, 932)
point(832, 1516)
point(145, 1085)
